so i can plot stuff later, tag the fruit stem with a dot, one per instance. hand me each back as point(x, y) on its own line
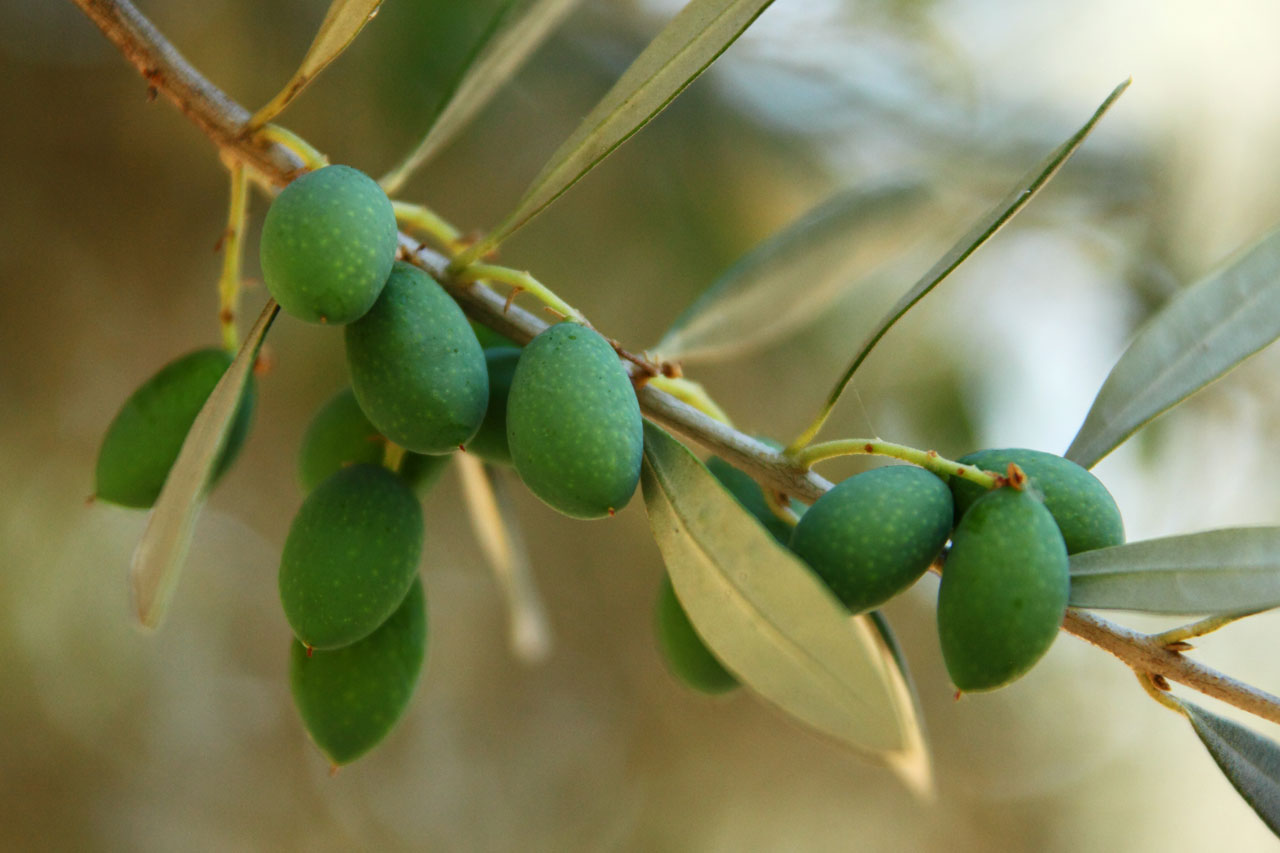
point(392, 456)
point(1148, 682)
point(928, 459)
point(233, 254)
point(521, 280)
point(422, 220)
point(692, 393)
point(310, 157)
point(1199, 628)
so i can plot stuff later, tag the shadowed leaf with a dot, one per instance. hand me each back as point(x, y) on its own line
point(1218, 571)
point(772, 623)
point(1250, 761)
point(514, 33)
point(342, 23)
point(686, 46)
point(162, 551)
point(798, 273)
point(1201, 334)
point(982, 231)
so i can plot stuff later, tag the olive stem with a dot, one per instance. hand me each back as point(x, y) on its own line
point(928, 459)
point(1199, 628)
point(223, 120)
point(309, 156)
point(392, 456)
point(233, 254)
point(423, 220)
point(522, 281)
point(1162, 696)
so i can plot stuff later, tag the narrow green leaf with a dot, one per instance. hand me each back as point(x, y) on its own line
point(1216, 572)
point(162, 551)
point(771, 622)
point(795, 275)
point(342, 23)
point(1197, 337)
point(686, 46)
point(510, 39)
point(1250, 761)
point(982, 231)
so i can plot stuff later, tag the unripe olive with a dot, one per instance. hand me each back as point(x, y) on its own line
point(143, 441)
point(490, 443)
point(1004, 590)
point(416, 366)
point(573, 423)
point(875, 534)
point(328, 242)
point(341, 435)
point(686, 655)
point(351, 554)
point(350, 698)
point(1085, 512)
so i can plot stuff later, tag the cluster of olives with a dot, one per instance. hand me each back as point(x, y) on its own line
point(1005, 585)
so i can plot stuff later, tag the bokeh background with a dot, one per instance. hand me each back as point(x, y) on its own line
point(187, 739)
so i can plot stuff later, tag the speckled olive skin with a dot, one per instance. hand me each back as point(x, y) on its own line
point(490, 443)
point(686, 655)
point(1004, 590)
point(350, 698)
point(1085, 512)
point(875, 534)
point(328, 242)
point(351, 554)
point(416, 366)
point(144, 438)
point(573, 423)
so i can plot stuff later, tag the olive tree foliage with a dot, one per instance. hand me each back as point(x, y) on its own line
point(762, 612)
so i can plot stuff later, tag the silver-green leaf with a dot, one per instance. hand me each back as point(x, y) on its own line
point(515, 32)
point(162, 551)
point(1201, 334)
point(1250, 761)
point(982, 231)
point(342, 23)
point(701, 31)
point(1215, 572)
point(770, 621)
point(795, 275)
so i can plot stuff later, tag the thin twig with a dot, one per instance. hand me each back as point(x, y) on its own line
point(223, 120)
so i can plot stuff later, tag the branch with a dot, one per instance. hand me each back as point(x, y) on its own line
point(223, 121)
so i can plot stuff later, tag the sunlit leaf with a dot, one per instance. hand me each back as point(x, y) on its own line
point(1250, 761)
point(794, 276)
point(1218, 571)
point(982, 231)
point(494, 522)
point(342, 23)
point(771, 622)
point(686, 46)
point(513, 34)
point(162, 551)
point(1201, 334)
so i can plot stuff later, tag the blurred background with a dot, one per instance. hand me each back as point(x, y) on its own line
point(187, 739)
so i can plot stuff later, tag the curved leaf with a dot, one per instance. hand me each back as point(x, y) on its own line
point(509, 40)
point(342, 23)
point(686, 46)
point(771, 621)
point(982, 231)
point(1201, 334)
point(1218, 571)
point(1250, 761)
point(162, 550)
point(796, 274)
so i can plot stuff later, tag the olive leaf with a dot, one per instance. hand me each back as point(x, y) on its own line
point(701, 31)
point(342, 23)
point(493, 520)
point(1218, 571)
point(512, 36)
point(981, 231)
point(772, 623)
point(1250, 761)
point(793, 276)
point(162, 550)
point(1197, 337)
